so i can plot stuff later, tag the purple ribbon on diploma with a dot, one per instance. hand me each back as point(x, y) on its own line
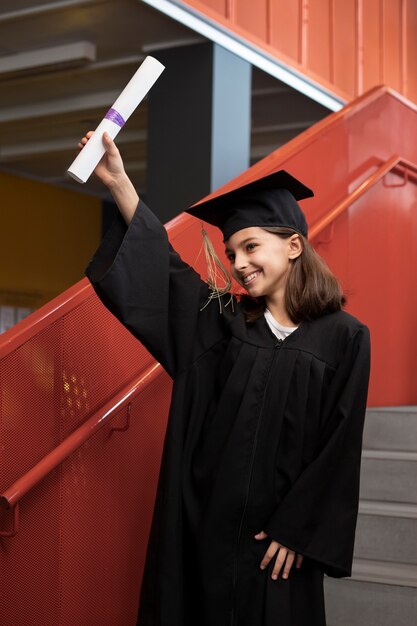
point(114, 116)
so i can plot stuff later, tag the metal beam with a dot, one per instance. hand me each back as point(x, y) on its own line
point(38, 148)
point(58, 107)
point(34, 62)
point(277, 128)
point(45, 8)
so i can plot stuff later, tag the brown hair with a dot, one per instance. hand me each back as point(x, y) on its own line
point(311, 288)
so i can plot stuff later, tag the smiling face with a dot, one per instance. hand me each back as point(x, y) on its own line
point(260, 260)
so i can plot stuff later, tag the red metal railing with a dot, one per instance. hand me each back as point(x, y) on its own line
point(394, 163)
point(70, 372)
point(16, 491)
point(77, 438)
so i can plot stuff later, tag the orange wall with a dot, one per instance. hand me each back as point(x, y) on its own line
point(348, 46)
point(47, 236)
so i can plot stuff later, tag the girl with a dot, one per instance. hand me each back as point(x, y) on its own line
point(258, 488)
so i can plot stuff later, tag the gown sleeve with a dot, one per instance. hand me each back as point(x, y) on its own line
point(317, 517)
point(142, 280)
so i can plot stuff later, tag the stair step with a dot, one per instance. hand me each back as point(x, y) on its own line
point(389, 475)
point(382, 589)
point(391, 428)
point(384, 572)
point(390, 455)
point(388, 509)
point(386, 531)
point(355, 603)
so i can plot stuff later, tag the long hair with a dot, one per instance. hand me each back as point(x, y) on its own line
point(311, 289)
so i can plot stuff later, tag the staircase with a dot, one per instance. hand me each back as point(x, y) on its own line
point(382, 590)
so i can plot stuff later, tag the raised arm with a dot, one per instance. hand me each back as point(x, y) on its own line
point(142, 280)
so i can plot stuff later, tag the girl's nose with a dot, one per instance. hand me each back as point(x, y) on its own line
point(240, 262)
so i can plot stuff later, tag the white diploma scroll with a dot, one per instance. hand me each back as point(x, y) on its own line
point(134, 92)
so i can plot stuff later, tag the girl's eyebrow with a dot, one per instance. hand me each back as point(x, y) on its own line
point(242, 243)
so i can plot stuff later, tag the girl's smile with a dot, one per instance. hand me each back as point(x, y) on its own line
point(249, 278)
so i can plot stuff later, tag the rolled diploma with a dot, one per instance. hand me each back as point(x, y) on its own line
point(132, 95)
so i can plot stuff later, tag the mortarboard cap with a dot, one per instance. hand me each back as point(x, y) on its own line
point(268, 201)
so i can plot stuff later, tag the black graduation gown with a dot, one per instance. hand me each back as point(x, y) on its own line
point(262, 435)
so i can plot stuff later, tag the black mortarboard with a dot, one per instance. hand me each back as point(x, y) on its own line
point(268, 201)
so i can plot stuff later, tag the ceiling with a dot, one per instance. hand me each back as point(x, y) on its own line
point(44, 112)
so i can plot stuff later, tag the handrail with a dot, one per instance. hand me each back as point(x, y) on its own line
point(315, 132)
point(45, 316)
point(388, 165)
point(76, 439)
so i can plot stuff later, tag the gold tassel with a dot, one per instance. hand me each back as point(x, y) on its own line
point(216, 273)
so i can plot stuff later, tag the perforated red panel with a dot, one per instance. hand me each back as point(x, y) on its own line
point(98, 357)
point(108, 489)
point(78, 555)
point(29, 403)
point(29, 562)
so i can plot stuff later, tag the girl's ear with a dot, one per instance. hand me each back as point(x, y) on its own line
point(295, 246)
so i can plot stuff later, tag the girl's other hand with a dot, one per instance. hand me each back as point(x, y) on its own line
point(285, 558)
point(110, 169)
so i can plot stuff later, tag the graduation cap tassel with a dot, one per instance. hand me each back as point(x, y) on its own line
point(216, 272)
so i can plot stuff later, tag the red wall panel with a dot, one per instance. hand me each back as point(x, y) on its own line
point(410, 50)
point(348, 46)
point(217, 5)
point(319, 48)
point(252, 17)
point(391, 43)
point(343, 66)
point(371, 31)
point(284, 24)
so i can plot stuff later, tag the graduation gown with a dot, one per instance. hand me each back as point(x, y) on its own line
point(262, 435)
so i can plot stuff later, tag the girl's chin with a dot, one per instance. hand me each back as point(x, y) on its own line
point(254, 292)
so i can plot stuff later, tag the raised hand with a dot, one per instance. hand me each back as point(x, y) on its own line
point(110, 169)
point(285, 558)
point(112, 173)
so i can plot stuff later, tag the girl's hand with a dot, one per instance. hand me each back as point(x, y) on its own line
point(284, 558)
point(110, 169)
point(111, 172)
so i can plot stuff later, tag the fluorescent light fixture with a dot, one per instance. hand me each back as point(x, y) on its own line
point(47, 59)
